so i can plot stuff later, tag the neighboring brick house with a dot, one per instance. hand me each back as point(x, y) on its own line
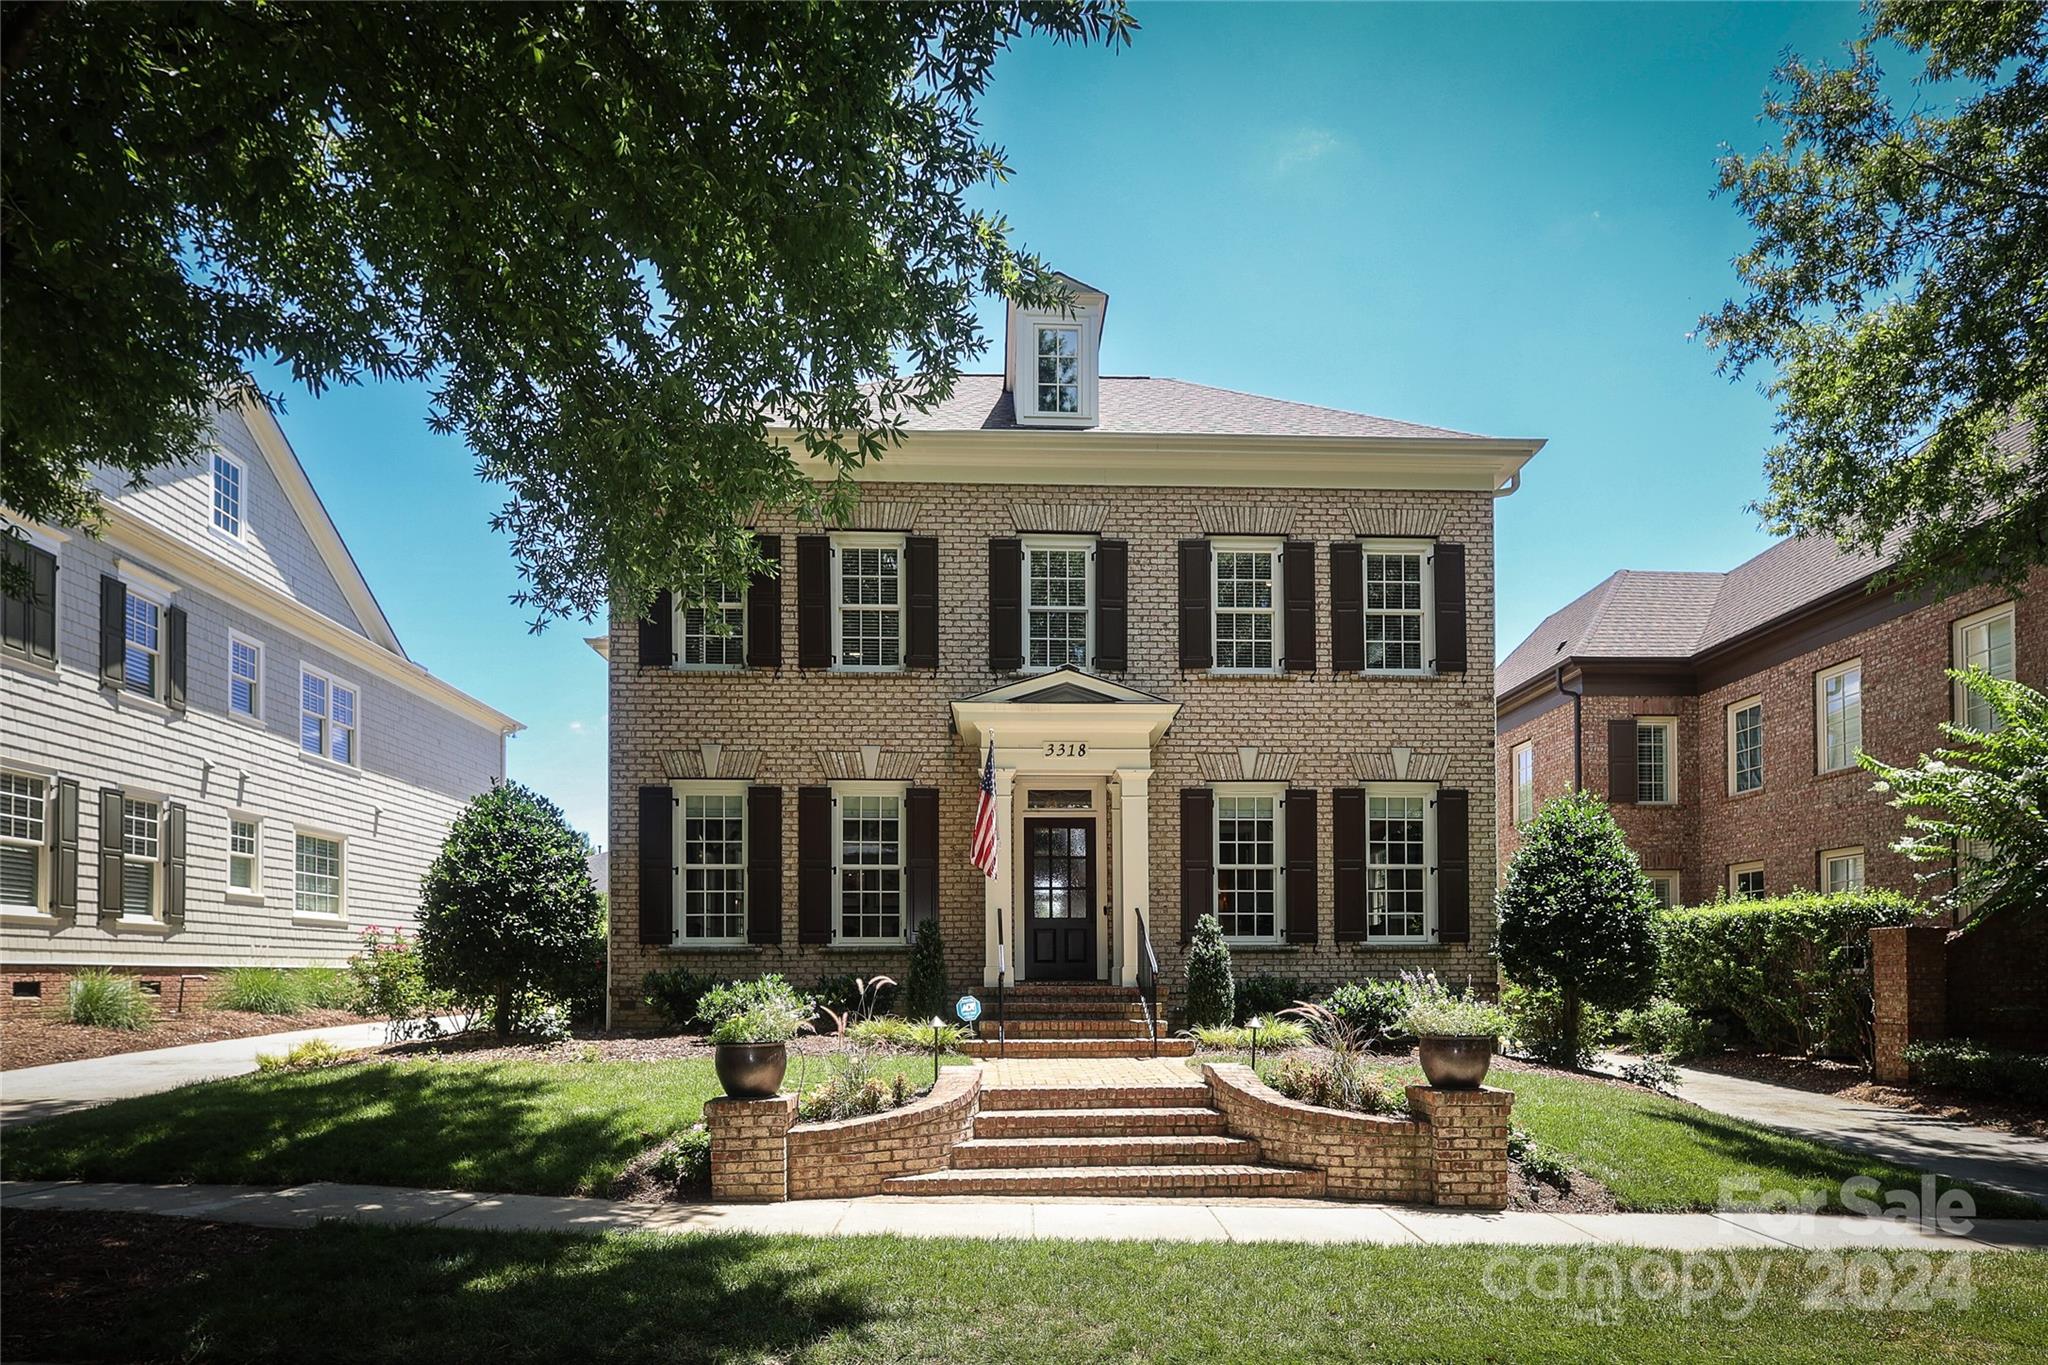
point(1720, 716)
point(1214, 638)
point(213, 749)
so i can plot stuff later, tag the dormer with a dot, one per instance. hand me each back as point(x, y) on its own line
point(1053, 358)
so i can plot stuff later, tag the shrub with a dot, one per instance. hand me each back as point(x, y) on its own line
point(1664, 1028)
point(1651, 1073)
point(1795, 970)
point(675, 994)
point(314, 1052)
point(1323, 1084)
point(1373, 1008)
point(1274, 1036)
point(906, 1034)
point(1434, 1011)
point(841, 995)
point(685, 1160)
point(507, 911)
point(717, 1003)
point(1538, 1161)
point(845, 1095)
point(1261, 996)
point(327, 988)
point(261, 990)
point(98, 998)
point(924, 985)
point(1965, 1065)
point(386, 979)
point(1576, 911)
point(1536, 1024)
point(1211, 994)
point(765, 1010)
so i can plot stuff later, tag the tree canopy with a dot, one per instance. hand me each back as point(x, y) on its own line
point(618, 241)
point(1898, 292)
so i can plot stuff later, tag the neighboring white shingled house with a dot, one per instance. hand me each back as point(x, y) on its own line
point(213, 749)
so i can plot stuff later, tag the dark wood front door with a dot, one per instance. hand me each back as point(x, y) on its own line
point(1059, 906)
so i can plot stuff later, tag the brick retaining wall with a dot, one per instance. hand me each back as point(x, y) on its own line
point(849, 1157)
point(1362, 1156)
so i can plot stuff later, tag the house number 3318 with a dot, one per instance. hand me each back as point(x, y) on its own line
point(1067, 748)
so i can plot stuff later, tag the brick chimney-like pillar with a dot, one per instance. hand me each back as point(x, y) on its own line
point(1909, 986)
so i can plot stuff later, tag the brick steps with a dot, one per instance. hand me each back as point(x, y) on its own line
point(1088, 990)
point(1039, 1098)
point(1193, 1120)
point(1017, 1010)
point(1076, 1028)
point(1079, 1047)
point(984, 1153)
point(1173, 1181)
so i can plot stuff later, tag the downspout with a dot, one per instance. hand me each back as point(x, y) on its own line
point(1578, 734)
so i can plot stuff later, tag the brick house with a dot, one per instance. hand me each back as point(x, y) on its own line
point(1210, 640)
point(214, 751)
point(1720, 715)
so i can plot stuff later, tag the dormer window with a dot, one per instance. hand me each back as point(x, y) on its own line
point(1053, 358)
point(1059, 370)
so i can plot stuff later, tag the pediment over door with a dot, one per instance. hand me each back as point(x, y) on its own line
point(1067, 705)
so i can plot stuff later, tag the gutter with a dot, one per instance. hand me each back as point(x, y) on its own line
point(1578, 730)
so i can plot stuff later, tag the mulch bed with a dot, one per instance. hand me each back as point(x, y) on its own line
point(611, 1047)
point(1848, 1081)
point(40, 1038)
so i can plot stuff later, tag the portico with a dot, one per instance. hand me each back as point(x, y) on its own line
point(1073, 771)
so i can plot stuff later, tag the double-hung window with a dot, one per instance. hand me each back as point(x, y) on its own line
point(1247, 605)
point(245, 855)
point(1523, 758)
point(867, 601)
point(1398, 633)
point(1665, 887)
point(1746, 746)
point(711, 889)
point(1058, 595)
point(327, 716)
point(142, 660)
point(245, 677)
point(713, 635)
point(1400, 844)
point(870, 820)
point(227, 495)
point(1656, 760)
point(1058, 379)
point(24, 838)
point(1249, 895)
point(1746, 880)
point(317, 871)
point(1838, 715)
point(1841, 869)
point(141, 858)
point(1983, 641)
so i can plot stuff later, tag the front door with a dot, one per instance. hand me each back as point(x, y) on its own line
point(1059, 887)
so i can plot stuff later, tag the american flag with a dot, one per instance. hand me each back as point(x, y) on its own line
point(986, 839)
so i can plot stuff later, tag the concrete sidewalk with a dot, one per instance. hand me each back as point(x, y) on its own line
point(1232, 1220)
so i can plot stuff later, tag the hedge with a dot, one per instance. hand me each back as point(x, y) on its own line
point(1996, 1071)
point(1794, 970)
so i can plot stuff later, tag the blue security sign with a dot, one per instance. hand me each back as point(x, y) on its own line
point(968, 1008)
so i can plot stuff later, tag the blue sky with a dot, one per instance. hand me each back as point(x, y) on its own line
point(1491, 218)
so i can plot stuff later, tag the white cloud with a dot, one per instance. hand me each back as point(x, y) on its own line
point(1304, 147)
point(577, 726)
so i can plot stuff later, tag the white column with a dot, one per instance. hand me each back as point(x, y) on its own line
point(1133, 868)
point(996, 890)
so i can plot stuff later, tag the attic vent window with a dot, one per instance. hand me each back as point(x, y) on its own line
point(1059, 369)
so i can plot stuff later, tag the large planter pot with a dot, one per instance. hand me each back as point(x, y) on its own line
point(1457, 1063)
point(750, 1071)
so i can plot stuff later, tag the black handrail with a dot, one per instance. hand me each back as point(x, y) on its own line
point(1002, 970)
point(1148, 979)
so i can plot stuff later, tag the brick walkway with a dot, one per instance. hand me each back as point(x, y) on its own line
point(1075, 1073)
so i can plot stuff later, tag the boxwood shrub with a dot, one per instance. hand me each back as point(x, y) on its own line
point(1965, 1065)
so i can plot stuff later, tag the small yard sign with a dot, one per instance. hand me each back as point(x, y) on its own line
point(968, 1008)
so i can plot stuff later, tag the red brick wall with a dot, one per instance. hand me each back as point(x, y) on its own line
point(1361, 1156)
point(851, 1157)
point(161, 983)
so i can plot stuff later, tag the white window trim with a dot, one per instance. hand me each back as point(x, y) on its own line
point(153, 591)
point(1428, 792)
point(1831, 855)
point(901, 791)
point(45, 861)
point(326, 754)
point(1728, 728)
point(1668, 875)
point(1959, 631)
point(1669, 725)
point(1278, 792)
point(1026, 394)
point(340, 841)
point(1516, 788)
point(1276, 547)
point(1735, 872)
point(252, 894)
point(1821, 766)
point(1426, 549)
point(240, 535)
point(705, 787)
point(236, 637)
point(1032, 544)
point(678, 634)
point(155, 861)
point(868, 540)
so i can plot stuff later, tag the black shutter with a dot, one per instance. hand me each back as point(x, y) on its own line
point(921, 861)
point(174, 658)
point(1005, 604)
point(1303, 902)
point(113, 633)
point(174, 865)
point(764, 608)
point(1449, 576)
point(1347, 606)
point(1197, 635)
point(1197, 857)
point(813, 601)
point(1112, 606)
point(921, 602)
point(64, 894)
point(1347, 842)
point(658, 631)
point(813, 864)
point(110, 851)
point(764, 864)
point(1298, 584)
point(1453, 866)
point(1621, 761)
point(28, 625)
point(657, 864)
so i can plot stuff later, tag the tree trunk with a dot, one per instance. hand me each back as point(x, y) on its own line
point(1570, 991)
point(501, 1021)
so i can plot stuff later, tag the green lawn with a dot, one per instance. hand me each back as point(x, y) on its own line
point(367, 1294)
point(527, 1127)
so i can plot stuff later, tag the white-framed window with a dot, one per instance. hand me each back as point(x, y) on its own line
point(1983, 641)
point(1522, 759)
point(1056, 369)
point(1841, 869)
point(141, 857)
point(142, 661)
point(24, 843)
point(711, 862)
point(329, 712)
point(318, 874)
point(227, 494)
point(867, 602)
point(1746, 746)
point(245, 676)
point(699, 641)
point(1247, 610)
point(1399, 635)
point(245, 855)
point(1838, 716)
point(1059, 597)
point(870, 872)
point(1746, 880)
point(1656, 760)
point(1250, 889)
point(1665, 885)
point(1400, 858)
